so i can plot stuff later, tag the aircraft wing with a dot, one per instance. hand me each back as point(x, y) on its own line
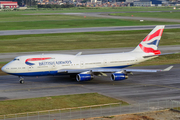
point(117, 74)
point(101, 70)
point(134, 70)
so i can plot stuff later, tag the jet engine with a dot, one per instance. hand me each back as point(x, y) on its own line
point(118, 76)
point(84, 77)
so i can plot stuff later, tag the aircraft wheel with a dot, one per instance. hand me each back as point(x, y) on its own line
point(21, 81)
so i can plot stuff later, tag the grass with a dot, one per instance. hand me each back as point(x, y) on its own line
point(176, 108)
point(54, 102)
point(169, 15)
point(89, 40)
point(22, 18)
point(74, 23)
point(1, 65)
point(17, 20)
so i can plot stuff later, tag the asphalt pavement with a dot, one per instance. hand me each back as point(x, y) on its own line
point(139, 87)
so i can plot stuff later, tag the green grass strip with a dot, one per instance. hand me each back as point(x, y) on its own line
point(54, 102)
point(30, 18)
point(74, 23)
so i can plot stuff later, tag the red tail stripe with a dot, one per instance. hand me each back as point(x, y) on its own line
point(149, 50)
point(157, 52)
point(36, 59)
point(157, 33)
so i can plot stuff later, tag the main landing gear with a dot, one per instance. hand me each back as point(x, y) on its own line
point(21, 80)
point(73, 77)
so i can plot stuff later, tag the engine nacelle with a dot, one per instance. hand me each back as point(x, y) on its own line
point(118, 76)
point(84, 77)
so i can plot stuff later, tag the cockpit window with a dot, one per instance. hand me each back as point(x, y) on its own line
point(16, 59)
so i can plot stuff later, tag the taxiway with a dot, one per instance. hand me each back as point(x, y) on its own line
point(90, 29)
point(140, 87)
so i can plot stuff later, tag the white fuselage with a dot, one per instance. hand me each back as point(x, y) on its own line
point(50, 64)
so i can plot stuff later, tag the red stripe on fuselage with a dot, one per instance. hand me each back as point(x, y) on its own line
point(36, 59)
point(157, 33)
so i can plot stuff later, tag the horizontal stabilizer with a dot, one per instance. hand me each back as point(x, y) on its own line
point(168, 68)
point(159, 54)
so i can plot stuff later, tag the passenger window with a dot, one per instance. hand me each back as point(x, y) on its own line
point(16, 59)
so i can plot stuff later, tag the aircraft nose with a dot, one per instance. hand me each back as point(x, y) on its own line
point(3, 68)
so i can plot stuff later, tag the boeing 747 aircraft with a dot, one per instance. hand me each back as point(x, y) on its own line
point(85, 67)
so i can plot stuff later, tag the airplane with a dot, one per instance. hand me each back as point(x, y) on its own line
point(85, 67)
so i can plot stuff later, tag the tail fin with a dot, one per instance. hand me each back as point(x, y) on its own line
point(151, 41)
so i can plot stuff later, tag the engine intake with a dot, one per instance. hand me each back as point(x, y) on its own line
point(118, 76)
point(84, 77)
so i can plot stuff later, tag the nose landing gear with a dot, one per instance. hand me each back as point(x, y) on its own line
point(21, 80)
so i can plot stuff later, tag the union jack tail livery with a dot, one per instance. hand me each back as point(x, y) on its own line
point(151, 41)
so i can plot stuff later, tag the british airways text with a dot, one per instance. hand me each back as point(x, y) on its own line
point(55, 62)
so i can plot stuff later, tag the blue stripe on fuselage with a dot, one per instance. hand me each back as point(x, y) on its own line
point(42, 73)
point(46, 73)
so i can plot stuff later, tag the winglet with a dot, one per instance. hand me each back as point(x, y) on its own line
point(168, 68)
point(79, 53)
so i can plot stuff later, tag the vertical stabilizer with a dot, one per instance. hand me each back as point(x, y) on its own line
point(151, 41)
